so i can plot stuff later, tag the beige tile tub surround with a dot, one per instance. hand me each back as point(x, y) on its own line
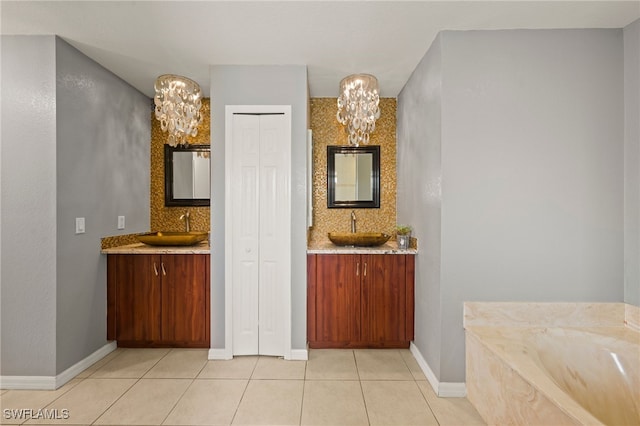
point(502, 396)
point(632, 316)
point(505, 383)
point(527, 314)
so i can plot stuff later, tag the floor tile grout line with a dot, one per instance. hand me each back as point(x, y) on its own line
point(364, 401)
point(304, 385)
point(157, 362)
point(246, 386)
point(116, 400)
point(118, 354)
point(178, 400)
point(129, 388)
point(420, 390)
point(202, 368)
point(53, 400)
point(65, 392)
point(255, 366)
point(235, 412)
point(428, 404)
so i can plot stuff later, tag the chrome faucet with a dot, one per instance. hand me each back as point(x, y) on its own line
point(187, 222)
point(353, 221)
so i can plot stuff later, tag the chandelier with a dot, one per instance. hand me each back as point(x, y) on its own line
point(177, 105)
point(358, 106)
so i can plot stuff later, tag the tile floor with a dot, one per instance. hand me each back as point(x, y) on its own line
point(181, 387)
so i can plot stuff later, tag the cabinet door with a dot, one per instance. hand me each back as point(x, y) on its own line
point(337, 299)
point(137, 298)
point(384, 299)
point(185, 300)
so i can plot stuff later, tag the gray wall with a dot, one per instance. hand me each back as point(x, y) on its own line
point(631, 36)
point(260, 85)
point(75, 143)
point(28, 214)
point(419, 191)
point(103, 163)
point(532, 173)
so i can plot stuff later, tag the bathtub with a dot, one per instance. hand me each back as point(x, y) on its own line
point(554, 375)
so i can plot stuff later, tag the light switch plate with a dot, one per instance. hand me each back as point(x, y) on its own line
point(80, 229)
point(120, 222)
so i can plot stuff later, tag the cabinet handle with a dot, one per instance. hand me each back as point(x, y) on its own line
point(365, 269)
point(155, 268)
point(163, 270)
point(358, 269)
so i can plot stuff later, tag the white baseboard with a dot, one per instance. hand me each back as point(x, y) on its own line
point(223, 354)
point(54, 382)
point(219, 354)
point(28, 382)
point(85, 363)
point(299, 355)
point(442, 389)
point(452, 390)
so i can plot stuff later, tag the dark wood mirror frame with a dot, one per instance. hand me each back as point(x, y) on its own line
point(332, 203)
point(169, 199)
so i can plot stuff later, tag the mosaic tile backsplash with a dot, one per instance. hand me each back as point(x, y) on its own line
point(327, 131)
point(168, 218)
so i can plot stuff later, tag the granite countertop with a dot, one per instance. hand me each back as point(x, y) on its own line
point(327, 247)
point(141, 248)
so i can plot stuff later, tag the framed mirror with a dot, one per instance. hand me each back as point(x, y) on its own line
point(353, 177)
point(187, 175)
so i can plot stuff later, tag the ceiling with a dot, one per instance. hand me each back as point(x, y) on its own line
point(139, 40)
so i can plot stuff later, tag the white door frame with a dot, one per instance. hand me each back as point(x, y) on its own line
point(230, 110)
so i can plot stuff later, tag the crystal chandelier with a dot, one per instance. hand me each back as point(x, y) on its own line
point(178, 101)
point(358, 106)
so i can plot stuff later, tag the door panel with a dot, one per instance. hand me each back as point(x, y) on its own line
point(384, 298)
point(245, 197)
point(137, 298)
point(338, 298)
point(261, 202)
point(184, 298)
point(274, 215)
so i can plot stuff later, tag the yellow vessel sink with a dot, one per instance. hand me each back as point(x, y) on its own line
point(172, 238)
point(358, 239)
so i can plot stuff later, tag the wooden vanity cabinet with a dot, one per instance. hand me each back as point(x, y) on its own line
point(360, 300)
point(158, 300)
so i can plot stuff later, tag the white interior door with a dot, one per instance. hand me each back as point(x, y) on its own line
point(260, 212)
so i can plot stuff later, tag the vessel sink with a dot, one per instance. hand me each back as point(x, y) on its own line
point(358, 239)
point(172, 238)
